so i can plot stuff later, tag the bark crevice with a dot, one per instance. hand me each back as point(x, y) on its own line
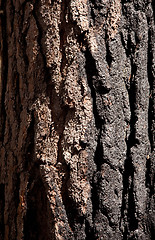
point(4, 69)
point(2, 207)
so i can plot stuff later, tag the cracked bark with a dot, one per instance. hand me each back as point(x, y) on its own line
point(77, 119)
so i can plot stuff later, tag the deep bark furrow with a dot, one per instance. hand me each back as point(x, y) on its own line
point(4, 69)
point(2, 207)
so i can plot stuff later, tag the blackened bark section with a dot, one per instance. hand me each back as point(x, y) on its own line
point(150, 77)
point(134, 45)
point(151, 72)
point(151, 158)
point(92, 75)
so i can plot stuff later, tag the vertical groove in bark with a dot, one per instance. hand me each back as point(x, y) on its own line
point(3, 70)
point(77, 120)
point(2, 203)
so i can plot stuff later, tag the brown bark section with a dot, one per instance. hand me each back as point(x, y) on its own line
point(77, 120)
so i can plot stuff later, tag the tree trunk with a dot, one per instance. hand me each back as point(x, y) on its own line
point(77, 119)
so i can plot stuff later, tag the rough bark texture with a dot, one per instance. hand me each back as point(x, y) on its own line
point(77, 120)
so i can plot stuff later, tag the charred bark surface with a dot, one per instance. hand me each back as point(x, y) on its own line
point(77, 119)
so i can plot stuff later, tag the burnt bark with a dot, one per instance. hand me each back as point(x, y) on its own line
point(77, 123)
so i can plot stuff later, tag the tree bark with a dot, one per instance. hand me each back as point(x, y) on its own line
point(77, 119)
